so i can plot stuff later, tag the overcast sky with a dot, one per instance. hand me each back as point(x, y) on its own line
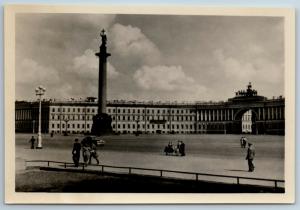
point(154, 57)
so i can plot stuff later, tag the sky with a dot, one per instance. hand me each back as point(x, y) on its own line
point(154, 57)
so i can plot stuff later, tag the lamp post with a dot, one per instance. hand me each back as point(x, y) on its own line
point(39, 91)
point(33, 124)
point(137, 126)
point(66, 132)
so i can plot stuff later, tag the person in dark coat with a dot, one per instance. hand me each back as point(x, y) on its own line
point(182, 148)
point(32, 140)
point(250, 156)
point(76, 152)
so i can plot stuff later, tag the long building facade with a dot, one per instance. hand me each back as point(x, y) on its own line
point(267, 116)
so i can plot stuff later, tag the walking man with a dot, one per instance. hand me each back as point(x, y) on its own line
point(250, 156)
point(32, 140)
point(93, 154)
point(76, 152)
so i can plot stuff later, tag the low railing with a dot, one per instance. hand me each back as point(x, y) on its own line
point(161, 172)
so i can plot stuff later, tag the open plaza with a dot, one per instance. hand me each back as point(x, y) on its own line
point(214, 154)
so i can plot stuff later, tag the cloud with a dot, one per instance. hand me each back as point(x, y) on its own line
point(260, 68)
point(168, 82)
point(130, 42)
point(32, 72)
point(87, 65)
point(234, 68)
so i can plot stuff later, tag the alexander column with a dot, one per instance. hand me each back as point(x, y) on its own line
point(102, 121)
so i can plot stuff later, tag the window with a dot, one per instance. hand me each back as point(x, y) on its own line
point(73, 125)
point(63, 109)
point(143, 111)
point(88, 125)
point(68, 109)
point(148, 126)
point(152, 111)
point(133, 126)
point(78, 125)
point(123, 126)
point(138, 111)
point(114, 126)
point(128, 110)
point(128, 126)
point(124, 117)
point(118, 110)
point(93, 110)
point(118, 125)
point(52, 125)
point(123, 110)
point(82, 126)
point(108, 110)
point(158, 111)
point(78, 110)
point(57, 125)
point(68, 125)
point(58, 109)
point(73, 109)
point(133, 111)
point(148, 111)
point(53, 109)
point(88, 110)
point(53, 116)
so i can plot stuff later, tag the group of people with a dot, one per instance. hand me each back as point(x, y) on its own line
point(250, 152)
point(89, 151)
point(179, 149)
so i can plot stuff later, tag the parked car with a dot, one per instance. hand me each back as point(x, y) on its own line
point(95, 140)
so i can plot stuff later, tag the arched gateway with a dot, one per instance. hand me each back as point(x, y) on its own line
point(226, 117)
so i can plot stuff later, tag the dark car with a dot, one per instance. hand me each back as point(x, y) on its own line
point(95, 140)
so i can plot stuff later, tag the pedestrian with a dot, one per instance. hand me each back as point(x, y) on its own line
point(182, 148)
point(250, 156)
point(86, 154)
point(93, 154)
point(242, 141)
point(76, 152)
point(245, 140)
point(32, 140)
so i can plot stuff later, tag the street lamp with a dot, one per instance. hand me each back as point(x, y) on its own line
point(39, 91)
point(66, 132)
point(137, 126)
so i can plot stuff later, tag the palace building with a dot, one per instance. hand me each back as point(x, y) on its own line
point(264, 116)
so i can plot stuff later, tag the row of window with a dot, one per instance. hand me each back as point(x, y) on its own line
point(77, 110)
point(148, 111)
point(121, 110)
point(72, 117)
point(152, 126)
point(74, 126)
point(142, 118)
